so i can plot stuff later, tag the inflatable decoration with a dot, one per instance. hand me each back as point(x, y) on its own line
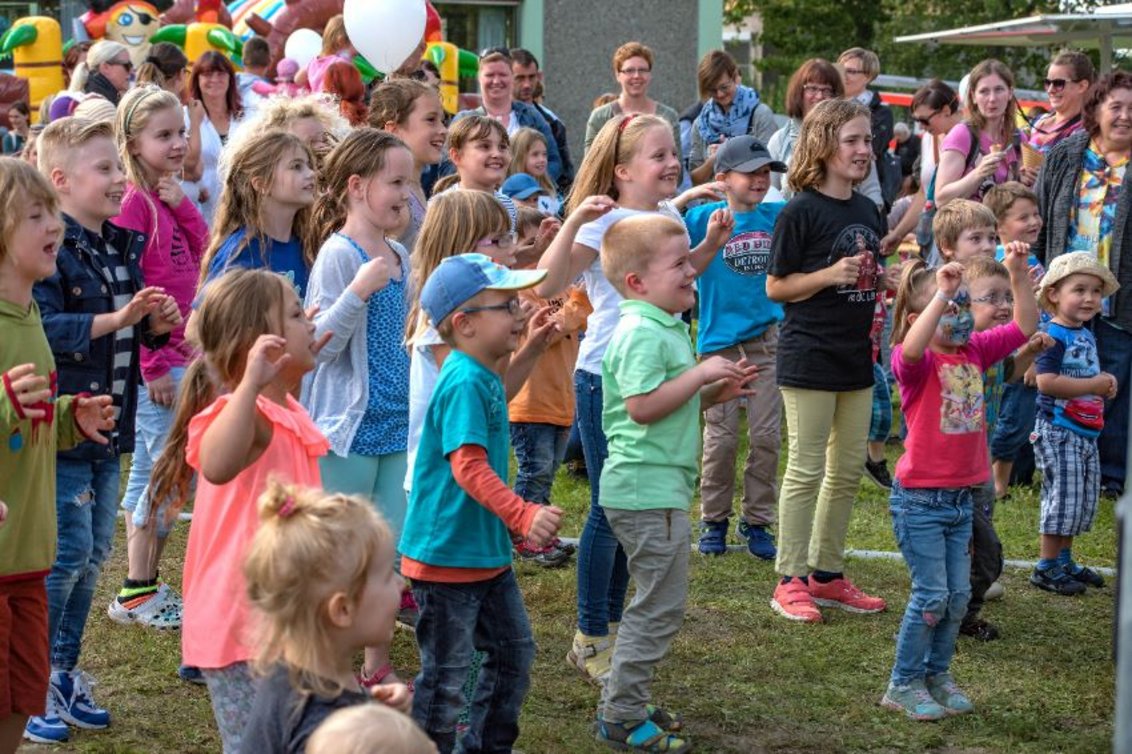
point(36, 46)
point(434, 24)
point(205, 11)
point(453, 64)
point(385, 32)
point(277, 19)
point(126, 22)
point(303, 46)
point(198, 38)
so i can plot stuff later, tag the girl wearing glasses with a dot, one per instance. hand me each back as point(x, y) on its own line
point(814, 81)
point(1067, 81)
point(106, 71)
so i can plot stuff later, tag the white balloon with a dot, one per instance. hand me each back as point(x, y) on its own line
point(303, 46)
point(385, 31)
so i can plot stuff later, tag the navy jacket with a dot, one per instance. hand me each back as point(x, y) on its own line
point(68, 302)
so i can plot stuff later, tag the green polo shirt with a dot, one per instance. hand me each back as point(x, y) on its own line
point(650, 465)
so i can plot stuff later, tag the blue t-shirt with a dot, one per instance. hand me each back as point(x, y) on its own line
point(733, 303)
point(286, 258)
point(1032, 262)
point(444, 526)
point(1074, 354)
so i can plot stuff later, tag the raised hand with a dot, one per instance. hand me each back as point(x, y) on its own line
point(1016, 257)
point(948, 279)
point(370, 278)
point(29, 390)
point(167, 315)
point(94, 414)
point(169, 191)
point(266, 359)
point(719, 228)
point(145, 302)
point(592, 208)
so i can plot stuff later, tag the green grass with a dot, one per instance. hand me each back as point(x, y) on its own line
point(745, 680)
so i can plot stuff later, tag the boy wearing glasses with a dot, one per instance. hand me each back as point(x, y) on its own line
point(456, 542)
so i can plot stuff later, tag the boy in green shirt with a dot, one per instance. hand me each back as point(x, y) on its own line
point(653, 393)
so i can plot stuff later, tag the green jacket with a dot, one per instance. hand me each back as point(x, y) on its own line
point(27, 449)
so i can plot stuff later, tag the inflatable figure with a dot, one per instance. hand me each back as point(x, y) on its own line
point(36, 45)
point(453, 64)
point(206, 11)
point(198, 38)
point(127, 22)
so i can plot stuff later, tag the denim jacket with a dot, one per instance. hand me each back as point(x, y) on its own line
point(68, 302)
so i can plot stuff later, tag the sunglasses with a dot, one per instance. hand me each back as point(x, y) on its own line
point(126, 64)
point(501, 51)
point(1057, 84)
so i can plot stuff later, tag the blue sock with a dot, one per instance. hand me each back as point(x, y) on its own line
point(1046, 563)
point(1065, 558)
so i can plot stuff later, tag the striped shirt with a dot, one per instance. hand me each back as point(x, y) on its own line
point(122, 289)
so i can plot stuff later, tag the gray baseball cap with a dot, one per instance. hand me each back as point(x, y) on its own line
point(745, 154)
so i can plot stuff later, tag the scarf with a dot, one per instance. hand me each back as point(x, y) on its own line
point(713, 122)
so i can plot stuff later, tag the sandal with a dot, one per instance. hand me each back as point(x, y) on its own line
point(665, 720)
point(645, 736)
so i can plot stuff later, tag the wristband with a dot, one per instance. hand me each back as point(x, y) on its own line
point(943, 297)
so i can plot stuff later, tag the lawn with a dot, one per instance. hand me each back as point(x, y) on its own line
point(744, 679)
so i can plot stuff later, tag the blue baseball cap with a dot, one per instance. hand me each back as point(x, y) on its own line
point(522, 186)
point(457, 279)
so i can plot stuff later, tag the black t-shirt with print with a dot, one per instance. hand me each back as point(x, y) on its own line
point(824, 341)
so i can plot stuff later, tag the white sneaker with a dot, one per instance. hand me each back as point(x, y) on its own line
point(995, 591)
point(161, 611)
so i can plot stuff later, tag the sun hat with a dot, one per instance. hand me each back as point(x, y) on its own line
point(1074, 263)
point(522, 186)
point(459, 278)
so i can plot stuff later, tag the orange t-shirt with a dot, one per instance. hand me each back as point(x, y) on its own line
point(217, 618)
point(548, 395)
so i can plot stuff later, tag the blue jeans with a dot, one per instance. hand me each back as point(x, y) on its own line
point(539, 450)
point(603, 572)
point(86, 507)
point(455, 621)
point(1114, 347)
point(880, 426)
point(1010, 440)
point(151, 426)
point(933, 529)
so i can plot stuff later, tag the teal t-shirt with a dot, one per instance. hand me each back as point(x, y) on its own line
point(654, 465)
point(444, 526)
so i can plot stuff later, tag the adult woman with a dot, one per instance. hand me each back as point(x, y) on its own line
point(19, 116)
point(858, 68)
point(106, 71)
point(632, 67)
point(1068, 79)
point(72, 58)
point(986, 148)
point(336, 48)
point(730, 109)
point(1085, 199)
point(212, 83)
point(814, 81)
point(165, 66)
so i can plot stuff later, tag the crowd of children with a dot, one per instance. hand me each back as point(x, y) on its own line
point(339, 371)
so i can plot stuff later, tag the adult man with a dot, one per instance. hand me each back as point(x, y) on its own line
point(527, 87)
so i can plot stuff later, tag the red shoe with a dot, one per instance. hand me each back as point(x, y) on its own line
point(792, 600)
point(842, 594)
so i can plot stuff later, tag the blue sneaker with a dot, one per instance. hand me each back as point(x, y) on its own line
point(77, 705)
point(48, 728)
point(713, 537)
point(760, 543)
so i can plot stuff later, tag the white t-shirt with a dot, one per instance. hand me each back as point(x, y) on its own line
point(603, 297)
point(423, 373)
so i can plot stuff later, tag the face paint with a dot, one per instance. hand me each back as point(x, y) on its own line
point(957, 323)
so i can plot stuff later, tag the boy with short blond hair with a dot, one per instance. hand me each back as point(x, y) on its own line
point(964, 229)
point(652, 392)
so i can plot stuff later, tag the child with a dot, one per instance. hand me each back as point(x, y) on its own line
point(938, 364)
point(653, 390)
point(524, 190)
point(528, 155)
point(36, 422)
point(359, 393)
point(738, 321)
point(151, 144)
point(369, 729)
point(824, 268)
point(257, 343)
point(480, 151)
point(265, 209)
point(542, 412)
point(1072, 390)
point(320, 573)
point(631, 169)
point(964, 229)
point(96, 314)
point(456, 547)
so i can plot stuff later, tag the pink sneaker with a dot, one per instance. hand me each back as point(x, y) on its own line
point(842, 594)
point(408, 613)
point(792, 601)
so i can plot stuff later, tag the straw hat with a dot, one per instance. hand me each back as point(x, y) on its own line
point(1077, 262)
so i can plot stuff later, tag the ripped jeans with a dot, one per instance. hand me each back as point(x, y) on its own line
point(933, 529)
point(86, 507)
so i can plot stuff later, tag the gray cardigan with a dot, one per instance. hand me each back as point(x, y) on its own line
point(336, 393)
point(1056, 188)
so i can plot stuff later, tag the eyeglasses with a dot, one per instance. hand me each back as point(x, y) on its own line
point(1057, 84)
point(500, 51)
point(996, 299)
point(505, 241)
point(816, 89)
point(635, 71)
point(126, 64)
point(512, 307)
point(853, 71)
point(925, 121)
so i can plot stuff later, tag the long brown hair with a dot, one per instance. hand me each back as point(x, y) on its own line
point(215, 61)
point(992, 67)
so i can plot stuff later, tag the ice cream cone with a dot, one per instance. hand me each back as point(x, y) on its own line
point(1031, 158)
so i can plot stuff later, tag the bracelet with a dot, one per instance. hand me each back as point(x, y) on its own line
point(943, 297)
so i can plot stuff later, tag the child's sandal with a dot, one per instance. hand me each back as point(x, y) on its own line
point(645, 737)
point(665, 720)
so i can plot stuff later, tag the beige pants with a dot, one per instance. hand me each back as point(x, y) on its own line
point(721, 439)
point(825, 455)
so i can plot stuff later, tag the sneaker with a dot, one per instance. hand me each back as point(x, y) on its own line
point(914, 701)
point(160, 610)
point(1056, 580)
point(1086, 576)
point(49, 727)
point(567, 547)
point(713, 537)
point(409, 612)
point(948, 695)
point(792, 600)
point(842, 594)
point(877, 472)
point(592, 656)
point(979, 629)
point(760, 542)
point(76, 704)
point(547, 556)
point(995, 591)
